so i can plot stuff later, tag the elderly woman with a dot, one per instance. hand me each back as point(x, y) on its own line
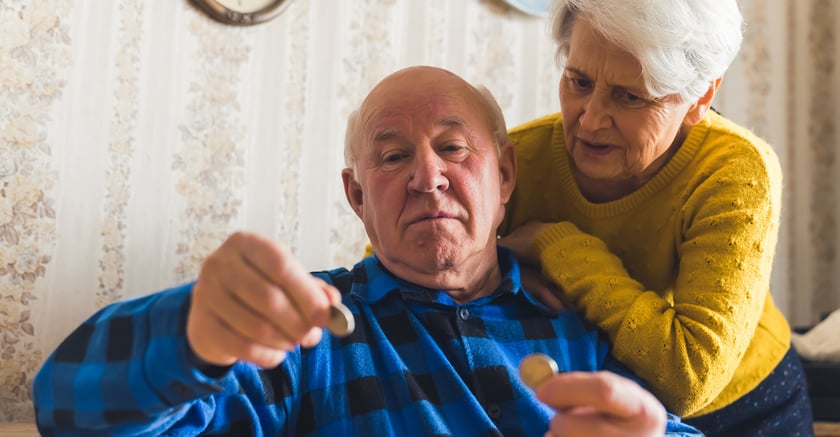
point(657, 217)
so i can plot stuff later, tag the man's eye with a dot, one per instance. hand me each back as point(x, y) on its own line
point(393, 157)
point(449, 148)
point(455, 152)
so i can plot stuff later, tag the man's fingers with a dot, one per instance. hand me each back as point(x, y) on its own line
point(281, 267)
point(242, 297)
point(604, 391)
point(253, 300)
point(216, 343)
point(568, 424)
point(601, 403)
point(587, 422)
point(254, 326)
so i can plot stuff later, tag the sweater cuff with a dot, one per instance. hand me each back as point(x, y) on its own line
point(551, 235)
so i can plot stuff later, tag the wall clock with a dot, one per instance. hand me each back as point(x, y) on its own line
point(242, 12)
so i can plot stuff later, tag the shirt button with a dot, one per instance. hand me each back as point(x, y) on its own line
point(494, 411)
point(464, 313)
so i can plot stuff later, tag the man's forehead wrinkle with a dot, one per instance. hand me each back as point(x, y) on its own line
point(382, 111)
point(388, 133)
point(452, 120)
point(385, 134)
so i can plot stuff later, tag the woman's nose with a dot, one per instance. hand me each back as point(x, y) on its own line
point(597, 113)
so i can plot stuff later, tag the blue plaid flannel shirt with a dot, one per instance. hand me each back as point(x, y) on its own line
point(418, 364)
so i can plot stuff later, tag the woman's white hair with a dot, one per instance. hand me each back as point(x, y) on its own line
point(682, 45)
point(487, 103)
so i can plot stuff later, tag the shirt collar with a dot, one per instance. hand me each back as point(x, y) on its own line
point(378, 283)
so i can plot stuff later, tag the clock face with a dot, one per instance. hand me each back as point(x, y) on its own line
point(242, 12)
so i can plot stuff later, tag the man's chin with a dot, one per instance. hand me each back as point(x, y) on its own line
point(424, 264)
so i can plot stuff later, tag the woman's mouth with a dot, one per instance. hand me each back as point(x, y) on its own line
point(595, 148)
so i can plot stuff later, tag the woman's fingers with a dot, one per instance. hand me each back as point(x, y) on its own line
point(546, 292)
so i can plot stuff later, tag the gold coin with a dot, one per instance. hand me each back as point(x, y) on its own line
point(341, 323)
point(536, 369)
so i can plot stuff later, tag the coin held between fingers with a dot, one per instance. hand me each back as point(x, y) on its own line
point(536, 369)
point(341, 323)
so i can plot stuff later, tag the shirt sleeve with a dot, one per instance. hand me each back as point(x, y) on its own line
point(128, 371)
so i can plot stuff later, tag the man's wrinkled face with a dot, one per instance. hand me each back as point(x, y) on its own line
point(429, 187)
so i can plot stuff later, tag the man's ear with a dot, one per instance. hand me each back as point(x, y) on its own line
point(352, 191)
point(698, 109)
point(507, 171)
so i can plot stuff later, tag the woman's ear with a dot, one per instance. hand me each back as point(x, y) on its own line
point(699, 108)
point(352, 191)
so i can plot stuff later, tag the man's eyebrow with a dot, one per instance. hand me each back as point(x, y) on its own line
point(452, 121)
point(387, 134)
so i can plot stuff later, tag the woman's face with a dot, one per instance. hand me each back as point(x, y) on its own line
point(617, 135)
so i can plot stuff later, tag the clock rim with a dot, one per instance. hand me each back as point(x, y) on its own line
point(223, 14)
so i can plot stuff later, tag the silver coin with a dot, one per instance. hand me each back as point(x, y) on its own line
point(536, 369)
point(341, 323)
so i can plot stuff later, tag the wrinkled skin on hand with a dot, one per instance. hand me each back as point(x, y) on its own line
point(600, 404)
point(254, 302)
point(521, 242)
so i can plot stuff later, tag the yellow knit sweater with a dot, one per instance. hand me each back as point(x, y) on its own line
point(677, 273)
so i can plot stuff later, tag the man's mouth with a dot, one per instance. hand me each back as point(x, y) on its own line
point(431, 217)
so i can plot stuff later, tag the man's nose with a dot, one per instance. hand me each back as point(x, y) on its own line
point(597, 112)
point(428, 173)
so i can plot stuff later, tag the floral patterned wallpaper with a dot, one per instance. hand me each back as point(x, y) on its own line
point(34, 57)
point(135, 135)
point(121, 148)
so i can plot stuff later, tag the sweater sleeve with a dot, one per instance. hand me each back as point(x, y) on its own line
point(128, 371)
point(695, 332)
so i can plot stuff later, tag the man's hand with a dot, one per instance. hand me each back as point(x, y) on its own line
point(254, 301)
point(600, 404)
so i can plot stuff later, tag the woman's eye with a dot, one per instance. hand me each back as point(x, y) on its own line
point(630, 99)
point(581, 83)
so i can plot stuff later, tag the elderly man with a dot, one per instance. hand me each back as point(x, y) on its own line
point(441, 319)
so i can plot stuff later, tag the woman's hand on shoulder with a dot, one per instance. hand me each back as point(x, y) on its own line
point(544, 290)
point(521, 242)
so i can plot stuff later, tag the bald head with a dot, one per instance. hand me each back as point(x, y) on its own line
point(421, 81)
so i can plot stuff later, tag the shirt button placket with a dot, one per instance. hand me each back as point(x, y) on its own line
point(464, 313)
